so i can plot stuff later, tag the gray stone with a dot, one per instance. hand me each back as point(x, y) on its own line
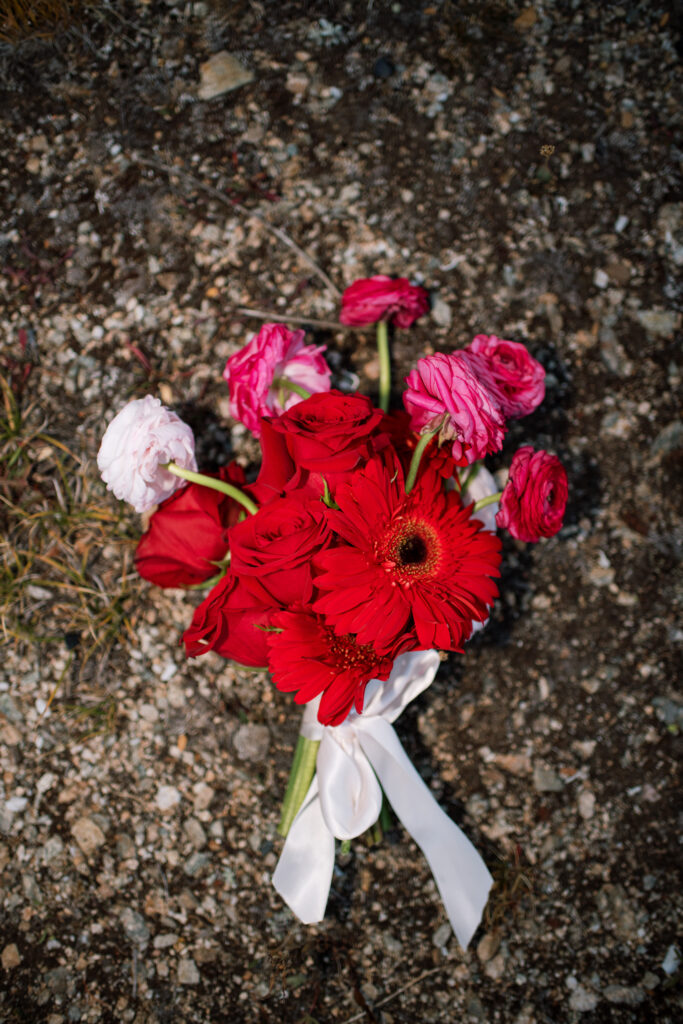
point(88, 835)
point(627, 995)
point(167, 798)
point(442, 935)
point(441, 312)
point(583, 1000)
point(187, 972)
point(195, 863)
point(546, 780)
point(135, 926)
point(660, 322)
point(221, 73)
point(252, 742)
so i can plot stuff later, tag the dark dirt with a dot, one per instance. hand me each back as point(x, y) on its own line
point(398, 138)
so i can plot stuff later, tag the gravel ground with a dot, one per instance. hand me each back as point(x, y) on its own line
point(522, 164)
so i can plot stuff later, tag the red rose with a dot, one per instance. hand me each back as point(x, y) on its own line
point(276, 546)
point(188, 534)
point(534, 499)
point(229, 621)
point(330, 433)
point(515, 378)
point(277, 467)
point(383, 298)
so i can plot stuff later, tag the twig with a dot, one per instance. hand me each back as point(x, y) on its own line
point(233, 205)
point(276, 317)
point(387, 999)
point(135, 972)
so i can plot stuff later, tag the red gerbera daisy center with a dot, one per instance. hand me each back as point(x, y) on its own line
point(347, 654)
point(410, 549)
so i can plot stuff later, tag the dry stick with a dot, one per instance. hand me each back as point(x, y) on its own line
point(387, 999)
point(264, 314)
point(278, 232)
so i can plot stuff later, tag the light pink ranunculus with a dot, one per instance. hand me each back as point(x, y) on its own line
point(136, 444)
point(508, 370)
point(383, 298)
point(443, 391)
point(535, 497)
point(255, 374)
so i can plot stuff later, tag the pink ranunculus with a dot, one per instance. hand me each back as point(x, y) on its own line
point(258, 373)
point(383, 298)
point(443, 391)
point(534, 499)
point(513, 376)
point(135, 446)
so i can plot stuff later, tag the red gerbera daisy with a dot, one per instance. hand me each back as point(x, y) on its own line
point(310, 657)
point(406, 562)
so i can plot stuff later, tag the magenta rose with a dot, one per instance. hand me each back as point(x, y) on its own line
point(330, 433)
point(383, 298)
point(276, 546)
point(443, 392)
point(514, 377)
point(534, 499)
point(259, 375)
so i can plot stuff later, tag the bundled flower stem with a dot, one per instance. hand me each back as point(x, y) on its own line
point(300, 778)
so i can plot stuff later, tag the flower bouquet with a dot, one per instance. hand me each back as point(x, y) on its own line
point(365, 545)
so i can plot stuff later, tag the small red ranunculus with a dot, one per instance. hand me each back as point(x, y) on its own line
point(513, 376)
point(232, 621)
point(188, 534)
point(535, 497)
point(383, 298)
point(329, 433)
point(276, 546)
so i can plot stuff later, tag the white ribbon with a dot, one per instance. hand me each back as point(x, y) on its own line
point(354, 760)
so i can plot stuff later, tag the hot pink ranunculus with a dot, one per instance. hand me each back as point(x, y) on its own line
point(534, 499)
point(135, 446)
point(514, 377)
point(383, 298)
point(257, 375)
point(443, 391)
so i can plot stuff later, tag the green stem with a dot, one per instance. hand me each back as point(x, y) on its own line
point(215, 484)
point(469, 476)
point(384, 365)
point(289, 385)
point(300, 776)
point(415, 461)
point(483, 502)
point(385, 818)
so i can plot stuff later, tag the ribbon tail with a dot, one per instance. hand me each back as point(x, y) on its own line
point(461, 875)
point(304, 871)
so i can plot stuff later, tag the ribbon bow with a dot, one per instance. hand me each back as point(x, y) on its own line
point(356, 760)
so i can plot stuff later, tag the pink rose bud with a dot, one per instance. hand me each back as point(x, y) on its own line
point(135, 446)
point(257, 375)
point(534, 499)
point(443, 391)
point(383, 298)
point(515, 378)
